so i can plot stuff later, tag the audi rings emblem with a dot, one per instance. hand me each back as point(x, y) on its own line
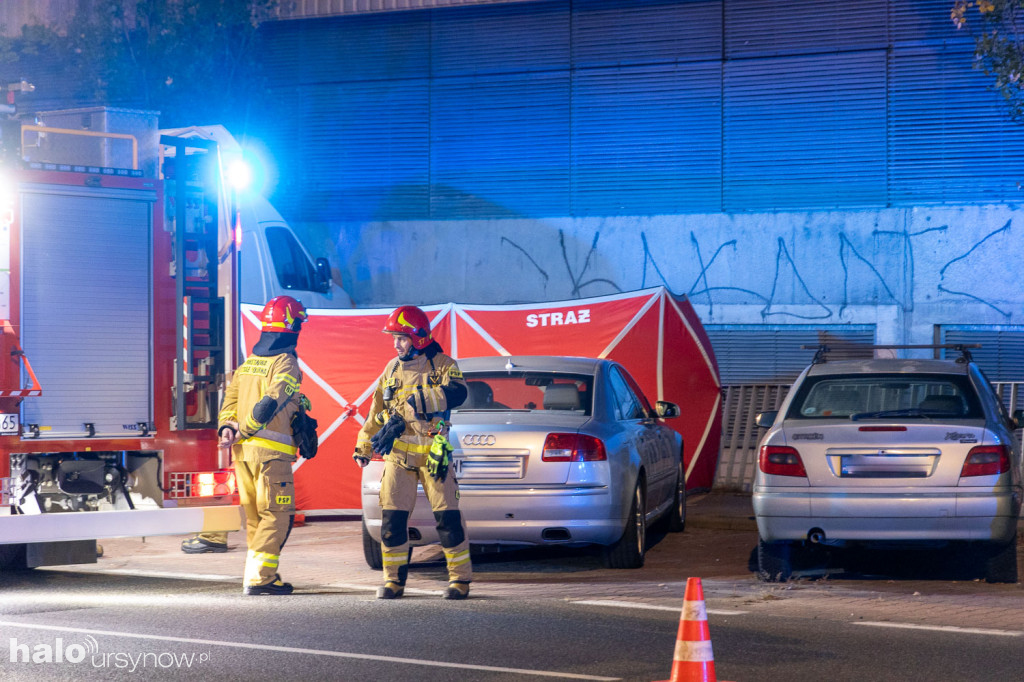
point(479, 439)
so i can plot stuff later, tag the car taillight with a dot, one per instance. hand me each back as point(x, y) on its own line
point(376, 457)
point(201, 483)
point(986, 460)
point(573, 447)
point(781, 460)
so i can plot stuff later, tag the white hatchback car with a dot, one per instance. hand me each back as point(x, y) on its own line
point(888, 453)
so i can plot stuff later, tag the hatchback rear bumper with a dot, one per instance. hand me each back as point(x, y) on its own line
point(520, 516)
point(896, 516)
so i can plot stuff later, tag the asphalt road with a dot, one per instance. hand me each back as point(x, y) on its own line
point(147, 611)
point(123, 627)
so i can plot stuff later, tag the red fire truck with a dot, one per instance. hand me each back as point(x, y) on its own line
point(119, 317)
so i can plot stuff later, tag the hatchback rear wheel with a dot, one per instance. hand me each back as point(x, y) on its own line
point(629, 551)
point(1001, 564)
point(774, 561)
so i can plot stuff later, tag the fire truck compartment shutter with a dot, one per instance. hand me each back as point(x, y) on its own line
point(86, 315)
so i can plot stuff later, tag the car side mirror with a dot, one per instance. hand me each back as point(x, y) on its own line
point(1018, 419)
point(666, 410)
point(323, 275)
point(766, 419)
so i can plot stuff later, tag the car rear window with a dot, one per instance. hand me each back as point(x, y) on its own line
point(886, 396)
point(524, 390)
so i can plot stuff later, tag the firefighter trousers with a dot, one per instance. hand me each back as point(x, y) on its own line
point(266, 491)
point(397, 500)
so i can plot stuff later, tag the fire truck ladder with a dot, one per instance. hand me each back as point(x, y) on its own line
point(199, 363)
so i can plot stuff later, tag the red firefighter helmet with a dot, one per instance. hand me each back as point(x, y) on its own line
point(411, 321)
point(283, 314)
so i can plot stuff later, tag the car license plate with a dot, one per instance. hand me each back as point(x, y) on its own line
point(456, 466)
point(8, 424)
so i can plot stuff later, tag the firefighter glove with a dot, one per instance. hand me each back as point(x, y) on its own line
point(384, 439)
point(439, 458)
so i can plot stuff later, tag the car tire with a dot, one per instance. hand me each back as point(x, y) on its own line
point(372, 551)
point(1001, 565)
point(676, 517)
point(774, 561)
point(629, 551)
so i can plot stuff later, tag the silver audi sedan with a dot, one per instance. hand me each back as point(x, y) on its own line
point(888, 453)
point(553, 451)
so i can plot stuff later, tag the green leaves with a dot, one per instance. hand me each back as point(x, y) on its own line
point(196, 62)
point(998, 44)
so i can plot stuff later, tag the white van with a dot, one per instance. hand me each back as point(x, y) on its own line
point(275, 262)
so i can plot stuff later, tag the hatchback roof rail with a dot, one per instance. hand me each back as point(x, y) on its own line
point(822, 350)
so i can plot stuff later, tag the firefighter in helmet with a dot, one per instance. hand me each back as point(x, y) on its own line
point(256, 423)
point(408, 425)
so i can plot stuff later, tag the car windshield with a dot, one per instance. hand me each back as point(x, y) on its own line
point(886, 396)
point(526, 390)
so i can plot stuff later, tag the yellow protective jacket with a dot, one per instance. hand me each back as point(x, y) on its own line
point(421, 378)
point(278, 378)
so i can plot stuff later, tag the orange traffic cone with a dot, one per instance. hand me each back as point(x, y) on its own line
point(693, 660)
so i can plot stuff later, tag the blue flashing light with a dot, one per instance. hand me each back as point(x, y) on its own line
point(239, 174)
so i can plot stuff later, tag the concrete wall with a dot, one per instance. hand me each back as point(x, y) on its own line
point(903, 270)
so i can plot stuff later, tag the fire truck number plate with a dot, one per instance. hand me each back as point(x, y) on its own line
point(8, 424)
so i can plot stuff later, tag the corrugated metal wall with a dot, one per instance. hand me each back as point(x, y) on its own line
point(1001, 355)
point(303, 9)
point(645, 107)
point(16, 13)
point(760, 354)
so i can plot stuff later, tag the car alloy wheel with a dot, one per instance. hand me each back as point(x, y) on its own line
point(639, 521)
point(629, 551)
point(676, 517)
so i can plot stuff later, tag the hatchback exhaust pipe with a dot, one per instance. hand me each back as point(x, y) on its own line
point(816, 536)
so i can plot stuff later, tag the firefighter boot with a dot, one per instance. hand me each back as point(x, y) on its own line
point(390, 590)
point(278, 586)
point(197, 544)
point(457, 589)
point(396, 570)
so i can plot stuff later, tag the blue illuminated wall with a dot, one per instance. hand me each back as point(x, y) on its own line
point(832, 165)
point(633, 107)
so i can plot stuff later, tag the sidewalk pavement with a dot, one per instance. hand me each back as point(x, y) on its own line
point(325, 556)
point(328, 552)
point(720, 511)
